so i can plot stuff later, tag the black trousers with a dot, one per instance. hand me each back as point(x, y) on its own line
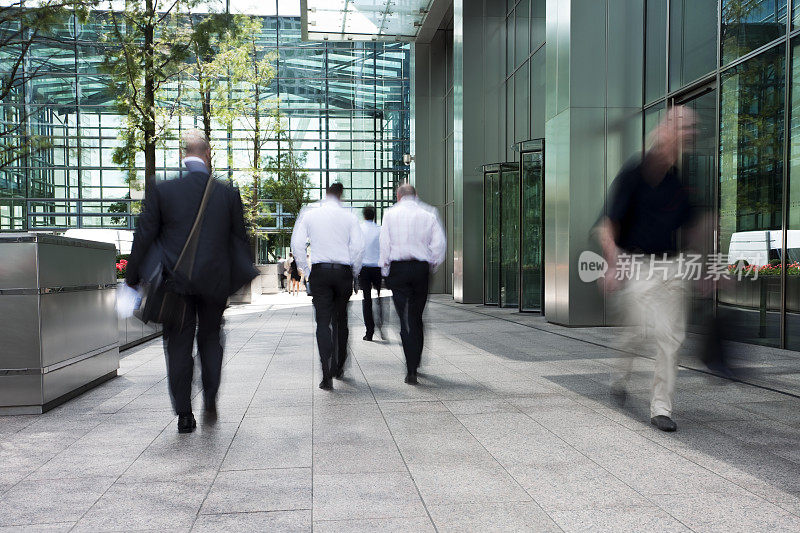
point(204, 317)
point(330, 291)
point(281, 279)
point(408, 281)
point(370, 278)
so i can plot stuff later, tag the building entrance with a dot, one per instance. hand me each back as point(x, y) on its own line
point(513, 230)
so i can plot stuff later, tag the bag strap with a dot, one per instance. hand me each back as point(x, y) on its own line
point(190, 247)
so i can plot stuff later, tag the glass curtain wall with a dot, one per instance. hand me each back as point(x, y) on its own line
point(346, 109)
point(753, 61)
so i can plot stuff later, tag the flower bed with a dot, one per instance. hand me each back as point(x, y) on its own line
point(122, 267)
point(792, 269)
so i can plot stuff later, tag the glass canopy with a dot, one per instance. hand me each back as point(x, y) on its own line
point(359, 20)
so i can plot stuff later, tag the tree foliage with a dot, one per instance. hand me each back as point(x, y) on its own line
point(147, 49)
point(244, 70)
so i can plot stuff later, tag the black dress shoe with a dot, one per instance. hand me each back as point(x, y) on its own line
point(411, 378)
point(368, 338)
point(326, 384)
point(664, 423)
point(186, 423)
point(339, 374)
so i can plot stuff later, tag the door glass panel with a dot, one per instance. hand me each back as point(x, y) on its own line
point(751, 194)
point(509, 237)
point(492, 239)
point(532, 231)
point(698, 172)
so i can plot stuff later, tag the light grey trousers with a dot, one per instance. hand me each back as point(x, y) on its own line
point(655, 306)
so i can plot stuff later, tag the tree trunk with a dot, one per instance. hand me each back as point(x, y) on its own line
point(149, 122)
point(207, 112)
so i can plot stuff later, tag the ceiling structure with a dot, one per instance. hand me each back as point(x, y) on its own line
point(362, 20)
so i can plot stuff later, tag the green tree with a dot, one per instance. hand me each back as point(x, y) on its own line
point(288, 183)
point(242, 100)
point(147, 48)
point(209, 34)
point(23, 24)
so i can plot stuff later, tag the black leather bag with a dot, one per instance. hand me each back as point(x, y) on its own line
point(162, 300)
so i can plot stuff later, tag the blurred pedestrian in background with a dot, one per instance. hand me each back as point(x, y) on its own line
point(336, 248)
point(281, 273)
point(370, 276)
point(647, 206)
point(294, 276)
point(412, 245)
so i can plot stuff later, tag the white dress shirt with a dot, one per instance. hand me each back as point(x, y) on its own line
point(192, 159)
point(412, 231)
point(332, 233)
point(372, 243)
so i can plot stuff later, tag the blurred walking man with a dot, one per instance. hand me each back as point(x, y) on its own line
point(370, 276)
point(647, 206)
point(413, 244)
point(336, 248)
point(170, 211)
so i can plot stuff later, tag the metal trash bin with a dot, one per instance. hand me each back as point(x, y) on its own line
point(58, 325)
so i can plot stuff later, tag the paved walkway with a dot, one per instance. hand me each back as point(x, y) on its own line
point(510, 429)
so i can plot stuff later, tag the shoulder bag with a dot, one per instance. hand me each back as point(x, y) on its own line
point(163, 295)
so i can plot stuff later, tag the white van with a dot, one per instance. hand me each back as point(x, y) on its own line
point(121, 238)
point(760, 247)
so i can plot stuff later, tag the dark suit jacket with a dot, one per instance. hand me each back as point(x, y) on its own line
point(223, 262)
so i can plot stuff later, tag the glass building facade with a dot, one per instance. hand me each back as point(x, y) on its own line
point(345, 107)
point(736, 63)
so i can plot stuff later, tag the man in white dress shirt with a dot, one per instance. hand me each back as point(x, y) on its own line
point(336, 248)
point(413, 244)
point(370, 276)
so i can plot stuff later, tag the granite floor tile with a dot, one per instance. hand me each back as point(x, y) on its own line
point(160, 505)
point(420, 524)
point(479, 516)
point(50, 500)
point(259, 490)
point(273, 521)
point(366, 496)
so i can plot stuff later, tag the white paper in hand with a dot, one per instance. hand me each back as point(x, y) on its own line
point(128, 300)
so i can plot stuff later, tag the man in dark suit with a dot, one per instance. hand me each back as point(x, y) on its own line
point(220, 268)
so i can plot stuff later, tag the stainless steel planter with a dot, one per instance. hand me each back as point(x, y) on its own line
point(58, 327)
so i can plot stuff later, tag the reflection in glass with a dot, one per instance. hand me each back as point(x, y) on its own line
point(531, 260)
point(692, 40)
point(491, 222)
point(509, 236)
point(750, 193)
point(793, 192)
point(698, 172)
point(748, 24)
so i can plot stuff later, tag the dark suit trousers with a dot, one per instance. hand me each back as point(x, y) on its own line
point(370, 278)
point(330, 292)
point(408, 281)
point(206, 317)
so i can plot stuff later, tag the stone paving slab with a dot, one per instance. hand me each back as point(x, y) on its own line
point(510, 429)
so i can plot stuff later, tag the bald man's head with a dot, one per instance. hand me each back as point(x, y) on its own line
point(406, 189)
